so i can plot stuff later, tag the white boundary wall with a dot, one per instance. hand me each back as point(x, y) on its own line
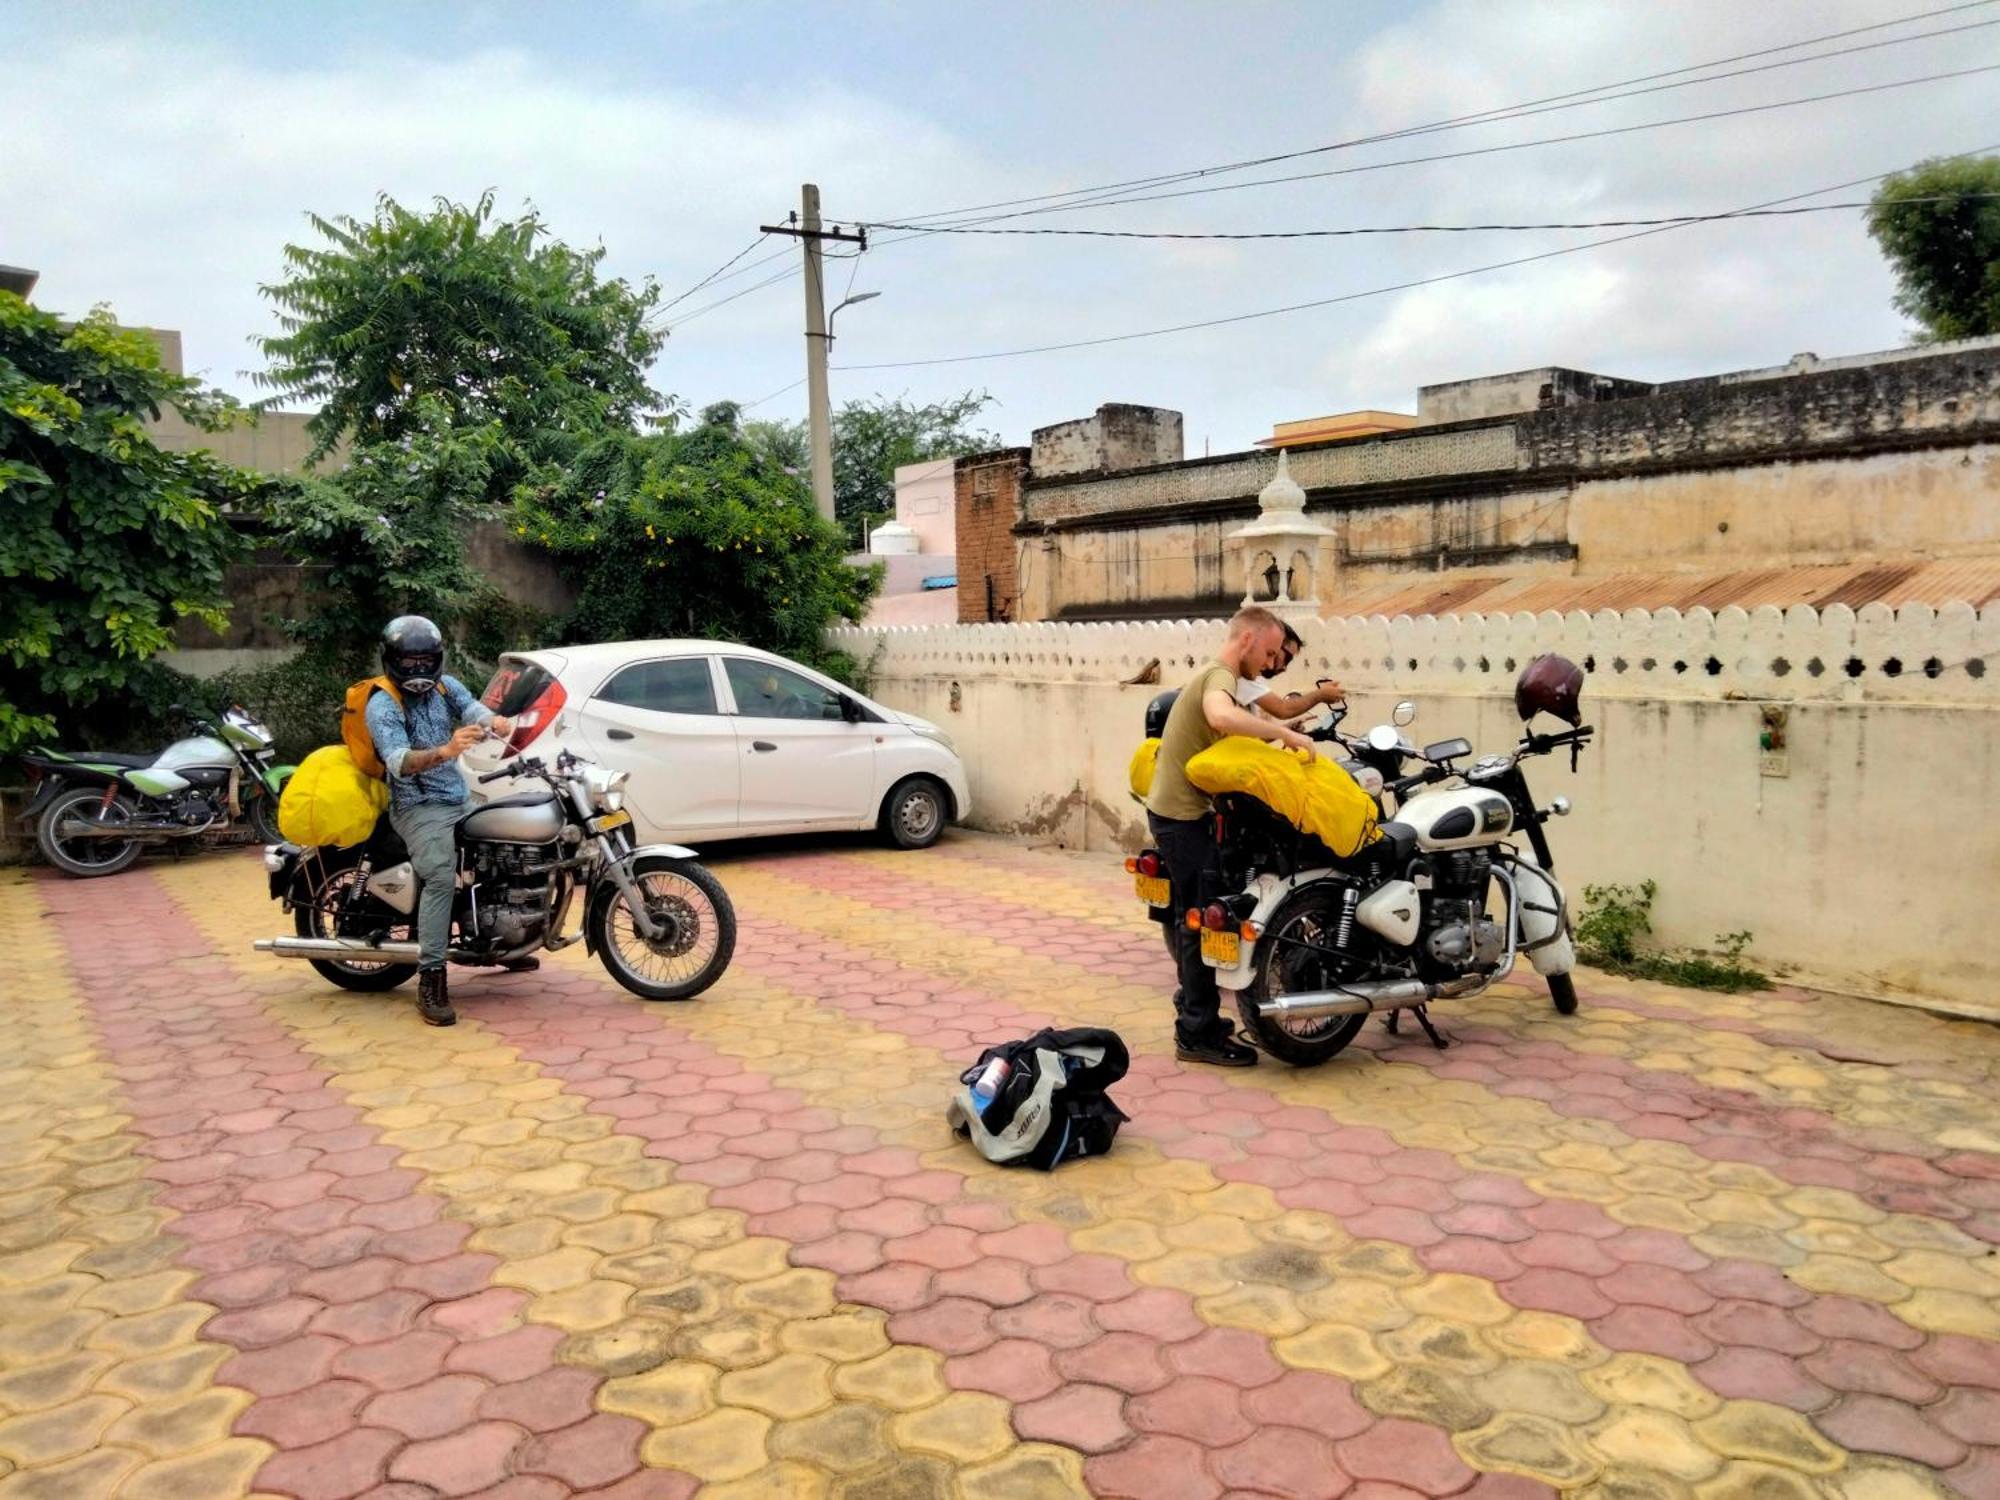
point(1872, 865)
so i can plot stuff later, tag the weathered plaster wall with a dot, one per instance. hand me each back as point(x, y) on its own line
point(1897, 460)
point(1869, 867)
point(1116, 437)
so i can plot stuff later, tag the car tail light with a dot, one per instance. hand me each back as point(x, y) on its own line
point(1149, 864)
point(1214, 918)
point(536, 717)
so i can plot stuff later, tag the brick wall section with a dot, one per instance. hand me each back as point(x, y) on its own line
point(986, 489)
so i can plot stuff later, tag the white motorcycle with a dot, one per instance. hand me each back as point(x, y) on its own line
point(1311, 945)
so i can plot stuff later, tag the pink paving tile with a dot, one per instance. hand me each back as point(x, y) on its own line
point(542, 1403)
point(951, 1325)
point(460, 1463)
point(306, 1417)
point(1284, 1462)
point(430, 1410)
point(337, 1469)
point(1235, 1355)
point(1761, 1375)
point(1014, 1369)
point(1198, 1407)
point(1088, 1418)
point(1400, 1451)
point(1124, 1361)
point(1873, 1424)
point(597, 1451)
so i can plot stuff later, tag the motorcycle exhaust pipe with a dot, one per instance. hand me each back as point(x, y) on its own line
point(354, 951)
point(340, 950)
point(1369, 997)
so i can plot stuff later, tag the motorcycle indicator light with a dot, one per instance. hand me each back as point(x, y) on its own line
point(1131, 867)
point(1251, 932)
point(1194, 919)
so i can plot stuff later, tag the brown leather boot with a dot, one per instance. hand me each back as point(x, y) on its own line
point(434, 998)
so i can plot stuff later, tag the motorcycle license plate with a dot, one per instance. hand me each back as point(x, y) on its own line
point(1222, 948)
point(610, 821)
point(1152, 889)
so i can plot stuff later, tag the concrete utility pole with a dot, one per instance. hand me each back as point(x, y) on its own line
point(819, 413)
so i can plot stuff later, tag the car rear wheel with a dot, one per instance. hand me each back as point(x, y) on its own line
point(915, 812)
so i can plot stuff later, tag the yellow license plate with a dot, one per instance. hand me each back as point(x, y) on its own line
point(1152, 889)
point(610, 821)
point(1222, 948)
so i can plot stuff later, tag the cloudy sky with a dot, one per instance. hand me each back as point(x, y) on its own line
point(158, 156)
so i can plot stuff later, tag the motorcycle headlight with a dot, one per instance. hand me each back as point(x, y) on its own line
point(613, 797)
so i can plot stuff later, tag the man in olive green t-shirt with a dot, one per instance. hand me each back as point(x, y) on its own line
point(1179, 815)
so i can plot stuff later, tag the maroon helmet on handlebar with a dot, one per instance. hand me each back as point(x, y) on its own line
point(1550, 684)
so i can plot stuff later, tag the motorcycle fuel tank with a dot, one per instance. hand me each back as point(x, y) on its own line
point(1457, 819)
point(516, 820)
point(198, 750)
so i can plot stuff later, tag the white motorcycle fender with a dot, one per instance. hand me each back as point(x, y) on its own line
point(1392, 909)
point(1543, 919)
point(1271, 894)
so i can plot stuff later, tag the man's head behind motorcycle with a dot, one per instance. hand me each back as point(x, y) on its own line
point(1287, 654)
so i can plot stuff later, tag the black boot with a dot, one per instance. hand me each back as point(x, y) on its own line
point(434, 998)
point(1215, 1046)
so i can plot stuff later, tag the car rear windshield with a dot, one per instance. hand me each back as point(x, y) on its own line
point(515, 684)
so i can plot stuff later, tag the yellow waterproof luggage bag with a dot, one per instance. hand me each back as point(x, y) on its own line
point(330, 800)
point(1139, 776)
point(1315, 797)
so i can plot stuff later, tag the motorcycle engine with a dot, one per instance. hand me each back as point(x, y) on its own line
point(1458, 934)
point(198, 809)
point(513, 902)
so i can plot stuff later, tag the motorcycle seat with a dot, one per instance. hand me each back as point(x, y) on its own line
point(115, 758)
point(1398, 841)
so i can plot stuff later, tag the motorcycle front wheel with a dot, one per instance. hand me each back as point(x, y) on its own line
point(1290, 961)
point(85, 857)
point(698, 930)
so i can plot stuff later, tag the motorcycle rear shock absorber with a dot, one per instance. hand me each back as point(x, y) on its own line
point(1350, 898)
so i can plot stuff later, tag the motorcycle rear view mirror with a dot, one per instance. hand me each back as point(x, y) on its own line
point(1405, 712)
point(1445, 750)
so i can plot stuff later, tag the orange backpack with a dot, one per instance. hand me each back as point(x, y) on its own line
point(354, 723)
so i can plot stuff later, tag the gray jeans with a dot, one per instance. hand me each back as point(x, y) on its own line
point(429, 830)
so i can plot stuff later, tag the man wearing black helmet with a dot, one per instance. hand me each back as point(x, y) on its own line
point(419, 729)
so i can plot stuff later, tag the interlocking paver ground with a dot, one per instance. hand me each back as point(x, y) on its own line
point(258, 1236)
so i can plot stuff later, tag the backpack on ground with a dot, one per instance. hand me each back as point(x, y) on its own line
point(354, 723)
point(1049, 1104)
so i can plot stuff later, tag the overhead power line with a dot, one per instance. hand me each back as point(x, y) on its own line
point(1579, 96)
point(1490, 116)
point(715, 273)
point(1315, 234)
point(1555, 140)
point(1400, 286)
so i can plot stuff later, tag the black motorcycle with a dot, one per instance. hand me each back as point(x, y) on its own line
point(660, 923)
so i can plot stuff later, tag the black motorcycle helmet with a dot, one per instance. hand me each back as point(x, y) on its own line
point(1550, 684)
point(1157, 711)
point(412, 653)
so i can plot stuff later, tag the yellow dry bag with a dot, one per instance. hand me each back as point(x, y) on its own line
point(330, 800)
point(1140, 774)
point(1316, 797)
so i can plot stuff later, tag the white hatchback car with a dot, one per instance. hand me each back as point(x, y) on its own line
point(726, 741)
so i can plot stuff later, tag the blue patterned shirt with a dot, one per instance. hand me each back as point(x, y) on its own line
point(423, 723)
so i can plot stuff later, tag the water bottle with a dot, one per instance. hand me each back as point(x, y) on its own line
point(986, 1087)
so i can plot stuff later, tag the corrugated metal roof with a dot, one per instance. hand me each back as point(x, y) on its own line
point(1974, 580)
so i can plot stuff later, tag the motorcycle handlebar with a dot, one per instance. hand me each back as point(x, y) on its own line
point(1420, 778)
point(1542, 744)
point(525, 766)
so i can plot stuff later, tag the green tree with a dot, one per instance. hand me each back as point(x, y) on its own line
point(693, 533)
point(871, 440)
point(1939, 225)
point(489, 320)
point(106, 540)
point(385, 534)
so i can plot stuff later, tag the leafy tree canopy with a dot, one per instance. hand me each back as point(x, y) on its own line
point(871, 440)
point(1945, 251)
point(488, 320)
point(692, 533)
point(106, 540)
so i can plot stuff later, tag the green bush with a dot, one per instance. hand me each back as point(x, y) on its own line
point(1617, 918)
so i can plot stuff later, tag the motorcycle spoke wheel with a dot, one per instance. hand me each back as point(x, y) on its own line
point(85, 856)
point(317, 920)
point(687, 946)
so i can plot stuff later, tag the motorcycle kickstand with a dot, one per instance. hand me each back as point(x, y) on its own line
point(1438, 1038)
point(1391, 1021)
